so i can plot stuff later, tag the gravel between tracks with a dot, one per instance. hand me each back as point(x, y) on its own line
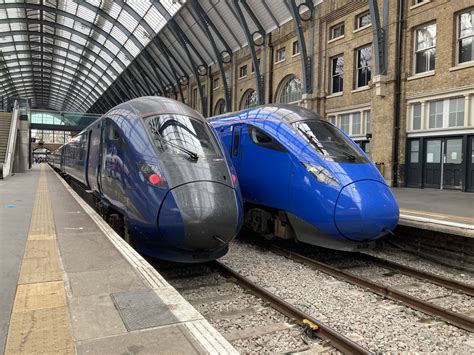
point(375, 323)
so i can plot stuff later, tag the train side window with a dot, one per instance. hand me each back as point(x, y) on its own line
point(113, 131)
point(260, 138)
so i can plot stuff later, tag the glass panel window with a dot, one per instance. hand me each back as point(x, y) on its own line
point(296, 48)
point(345, 123)
point(220, 107)
point(291, 91)
point(456, 112)
point(364, 56)
point(454, 151)
point(249, 99)
point(280, 54)
point(414, 151)
point(436, 114)
point(368, 123)
point(336, 31)
point(337, 73)
point(425, 48)
point(243, 71)
point(363, 20)
point(356, 123)
point(466, 36)
point(332, 119)
point(416, 122)
point(433, 151)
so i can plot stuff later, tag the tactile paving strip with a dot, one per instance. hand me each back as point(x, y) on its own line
point(40, 322)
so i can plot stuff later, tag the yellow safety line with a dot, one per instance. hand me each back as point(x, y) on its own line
point(40, 322)
point(444, 216)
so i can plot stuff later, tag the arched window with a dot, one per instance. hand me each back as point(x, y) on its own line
point(220, 107)
point(249, 99)
point(290, 91)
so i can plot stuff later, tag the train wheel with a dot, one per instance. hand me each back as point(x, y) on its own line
point(126, 234)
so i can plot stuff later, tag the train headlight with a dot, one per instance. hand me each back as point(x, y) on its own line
point(322, 174)
point(152, 174)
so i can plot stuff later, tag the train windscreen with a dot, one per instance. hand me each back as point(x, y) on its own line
point(329, 142)
point(182, 135)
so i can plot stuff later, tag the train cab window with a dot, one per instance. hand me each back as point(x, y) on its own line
point(329, 142)
point(260, 138)
point(182, 135)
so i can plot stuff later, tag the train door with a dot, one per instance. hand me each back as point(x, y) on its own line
point(265, 169)
point(109, 166)
point(94, 156)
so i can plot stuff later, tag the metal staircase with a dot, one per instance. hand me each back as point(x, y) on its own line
point(5, 123)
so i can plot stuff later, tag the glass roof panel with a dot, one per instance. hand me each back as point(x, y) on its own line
point(83, 48)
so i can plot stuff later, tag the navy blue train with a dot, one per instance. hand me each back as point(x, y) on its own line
point(303, 178)
point(157, 171)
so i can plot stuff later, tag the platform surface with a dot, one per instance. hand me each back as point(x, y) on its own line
point(71, 285)
point(446, 211)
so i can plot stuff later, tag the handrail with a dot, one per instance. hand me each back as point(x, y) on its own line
point(10, 153)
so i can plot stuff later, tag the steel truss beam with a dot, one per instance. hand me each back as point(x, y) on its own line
point(380, 35)
point(306, 60)
point(260, 79)
point(206, 25)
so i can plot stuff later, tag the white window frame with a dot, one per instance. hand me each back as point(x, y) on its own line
point(294, 45)
point(358, 17)
point(277, 53)
point(241, 68)
point(357, 66)
point(337, 117)
point(331, 38)
point(458, 38)
point(416, 51)
point(332, 76)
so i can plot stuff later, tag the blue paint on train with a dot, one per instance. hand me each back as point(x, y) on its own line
point(297, 170)
point(161, 167)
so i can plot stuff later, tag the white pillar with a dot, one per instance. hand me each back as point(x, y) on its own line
point(467, 111)
point(424, 118)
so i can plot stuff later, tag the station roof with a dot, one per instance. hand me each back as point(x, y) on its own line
point(70, 54)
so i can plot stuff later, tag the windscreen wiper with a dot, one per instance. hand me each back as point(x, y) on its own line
point(312, 140)
point(191, 154)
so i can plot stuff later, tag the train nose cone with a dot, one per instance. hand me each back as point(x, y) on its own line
point(200, 216)
point(365, 210)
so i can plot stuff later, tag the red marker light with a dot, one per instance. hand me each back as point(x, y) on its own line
point(155, 179)
point(234, 178)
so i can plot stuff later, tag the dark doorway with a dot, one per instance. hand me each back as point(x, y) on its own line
point(443, 161)
point(470, 165)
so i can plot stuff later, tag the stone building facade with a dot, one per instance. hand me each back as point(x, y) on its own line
point(417, 118)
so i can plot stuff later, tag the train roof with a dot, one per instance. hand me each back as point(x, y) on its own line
point(282, 112)
point(157, 105)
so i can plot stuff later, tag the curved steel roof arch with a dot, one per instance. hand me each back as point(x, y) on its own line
point(31, 86)
point(79, 34)
point(54, 69)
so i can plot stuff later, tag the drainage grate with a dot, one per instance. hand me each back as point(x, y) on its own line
point(143, 309)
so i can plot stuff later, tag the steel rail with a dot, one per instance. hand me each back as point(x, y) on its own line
point(448, 316)
point(423, 275)
point(338, 341)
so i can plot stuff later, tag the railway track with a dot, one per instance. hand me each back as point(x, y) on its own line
point(454, 318)
point(196, 285)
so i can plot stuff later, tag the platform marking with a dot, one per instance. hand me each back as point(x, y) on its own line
point(447, 217)
point(40, 321)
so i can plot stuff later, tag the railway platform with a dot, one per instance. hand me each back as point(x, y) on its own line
point(70, 284)
point(446, 211)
